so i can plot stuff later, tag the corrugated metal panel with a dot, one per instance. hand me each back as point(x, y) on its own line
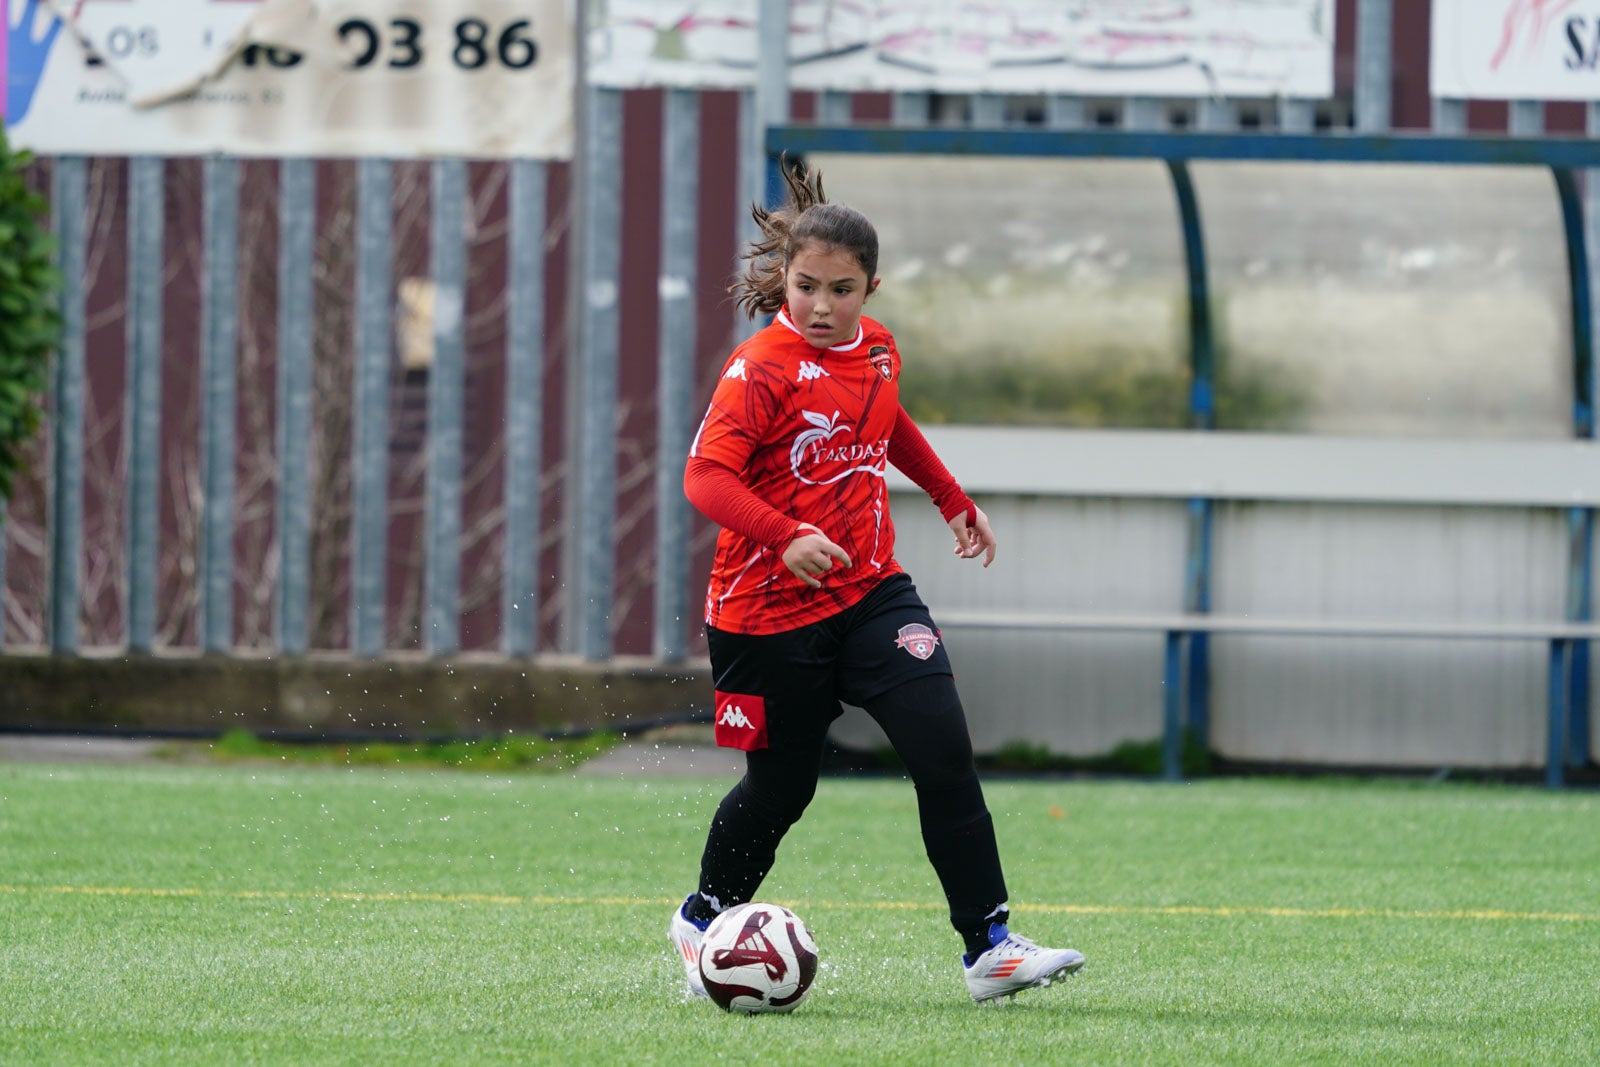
point(1324, 700)
point(1078, 693)
point(1419, 702)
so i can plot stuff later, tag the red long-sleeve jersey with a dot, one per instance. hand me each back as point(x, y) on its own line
point(808, 434)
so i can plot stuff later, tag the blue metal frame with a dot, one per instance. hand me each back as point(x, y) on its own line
point(1580, 521)
point(1202, 416)
point(1186, 697)
point(1187, 146)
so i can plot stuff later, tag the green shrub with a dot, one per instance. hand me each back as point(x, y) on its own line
point(30, 321)
point(510, 752)
point(1040, 352)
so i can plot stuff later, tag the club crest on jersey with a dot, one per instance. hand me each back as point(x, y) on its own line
point(879, 357)
point(918, 640)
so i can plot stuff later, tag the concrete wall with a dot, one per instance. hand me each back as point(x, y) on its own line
point(395, 696)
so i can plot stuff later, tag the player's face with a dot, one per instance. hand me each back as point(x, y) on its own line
point(826, 288)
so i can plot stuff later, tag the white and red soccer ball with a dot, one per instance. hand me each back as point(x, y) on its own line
point(758, 958)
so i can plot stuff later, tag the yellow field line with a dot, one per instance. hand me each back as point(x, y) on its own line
point(1463, 914)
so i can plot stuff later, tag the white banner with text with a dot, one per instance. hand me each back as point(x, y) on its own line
point(399, 79)
point(1515, 50)
point(1259, 48)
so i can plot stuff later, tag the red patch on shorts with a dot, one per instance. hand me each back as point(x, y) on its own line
point(741, 721)
point(918, 640)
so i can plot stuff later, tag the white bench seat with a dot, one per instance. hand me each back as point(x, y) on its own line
point(1180, 628)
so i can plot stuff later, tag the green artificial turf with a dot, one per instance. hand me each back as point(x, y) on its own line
point(235, 915)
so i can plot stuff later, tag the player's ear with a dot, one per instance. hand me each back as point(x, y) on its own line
point(872, 286)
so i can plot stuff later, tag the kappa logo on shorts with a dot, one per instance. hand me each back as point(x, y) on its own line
point(740, 721)
point(733, 715)
point(917, 639)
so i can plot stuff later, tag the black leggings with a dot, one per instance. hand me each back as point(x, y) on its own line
point(924, 721)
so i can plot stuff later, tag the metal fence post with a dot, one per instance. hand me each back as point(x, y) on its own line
point(146, 276)
point(220, 332)
point(519, 615)
point(442, 577)
point(297, 217)
point(591, 521)
point(69, 188)
point(369, 475)
point(1374, 65)
point(680, 192)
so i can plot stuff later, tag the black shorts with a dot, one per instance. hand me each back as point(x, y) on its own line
point(782, 690)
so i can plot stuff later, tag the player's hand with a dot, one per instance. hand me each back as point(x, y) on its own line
point(811, 555)
point(974, 538)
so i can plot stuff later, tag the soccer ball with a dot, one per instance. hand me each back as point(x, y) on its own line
point(758, 958)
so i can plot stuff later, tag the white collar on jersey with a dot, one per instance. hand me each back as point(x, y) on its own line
point(783, 317)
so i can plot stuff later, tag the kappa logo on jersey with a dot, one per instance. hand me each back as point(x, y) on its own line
point(918, 640)
point(880, 359)
point(810, 372)
point(740, 721)
point(735, 370)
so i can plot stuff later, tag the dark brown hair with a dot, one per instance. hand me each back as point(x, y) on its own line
point(806, 219)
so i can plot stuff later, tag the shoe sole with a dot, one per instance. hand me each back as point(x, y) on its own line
point(993, 999)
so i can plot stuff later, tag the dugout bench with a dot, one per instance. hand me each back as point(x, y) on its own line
point(1182, 709)
point(1568, 159)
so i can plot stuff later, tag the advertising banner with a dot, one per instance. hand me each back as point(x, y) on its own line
point(399, 79)
point(1260, 48)
point(1515, 50)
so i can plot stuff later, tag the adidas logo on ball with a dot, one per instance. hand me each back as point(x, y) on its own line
point(758, 958)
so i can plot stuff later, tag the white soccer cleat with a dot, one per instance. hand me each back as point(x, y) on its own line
point(686, 938)
point(1014, 963)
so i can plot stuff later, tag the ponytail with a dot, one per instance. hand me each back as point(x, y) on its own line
point(807, 217)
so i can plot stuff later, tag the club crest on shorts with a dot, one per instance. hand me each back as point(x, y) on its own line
point(918, 640)
point(878, 356)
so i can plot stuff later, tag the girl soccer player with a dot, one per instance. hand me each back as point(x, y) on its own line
point(806, 605)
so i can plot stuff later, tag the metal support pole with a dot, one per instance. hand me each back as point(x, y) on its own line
point(1202, 416)
point(1526, 118)
point(1580, 521)
point(69, 188)
point(442, 576)
point(1374, 65)
point(988, 109)
point(220, 313)
point(369, 474)
point(1065, 113)
point(146, 277)
point(297, 218)
point(1213, 113)
point(834, 108)
point(1143, 113)
point(1555, 728)
point(767, 105)
point(1449, 116)
point(680, 193)
point(591, 523)
point(1296, 116)
point(909, 109)
point(1171, 702)
point(524, 465)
